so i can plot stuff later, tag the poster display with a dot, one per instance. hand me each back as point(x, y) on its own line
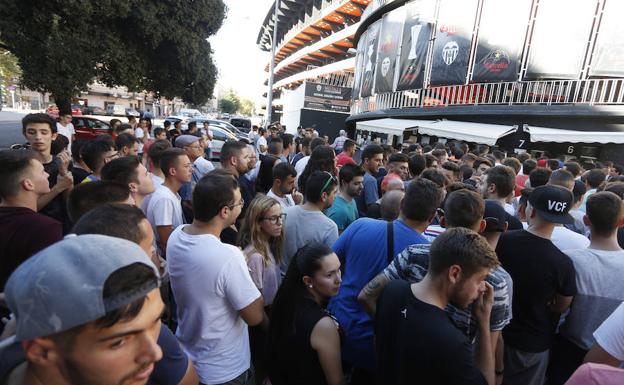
point(370, 59)
point(390, 37)
point(609, 51)
point(502, 32)
point(328, 98)
point(359, 65)
point(451, 49)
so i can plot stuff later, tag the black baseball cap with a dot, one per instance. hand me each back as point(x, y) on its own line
point(553, 203)
point(495, 216)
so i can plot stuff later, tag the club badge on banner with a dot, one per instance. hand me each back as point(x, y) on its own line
point(414, 44)
point(451, 49)
point(370, 59)
point(391, 28)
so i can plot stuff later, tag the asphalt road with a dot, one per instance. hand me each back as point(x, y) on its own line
point(10, 128)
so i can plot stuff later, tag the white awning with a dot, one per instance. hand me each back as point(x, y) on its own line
point(470, 132)
point(390, 126)
point(543, 134)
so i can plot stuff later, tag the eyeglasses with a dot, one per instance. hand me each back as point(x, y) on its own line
point(240, 203)
point(275, 219)
point(326, 185)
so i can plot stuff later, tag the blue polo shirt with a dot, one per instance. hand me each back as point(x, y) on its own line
point(362, 249)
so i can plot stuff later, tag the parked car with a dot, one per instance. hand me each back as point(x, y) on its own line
point(219, 137)
point(115, 110)
point(93, 110)
point(132, 112)
point(240, 135)
point(243, 124)
point(53, 111)
point(89, 128)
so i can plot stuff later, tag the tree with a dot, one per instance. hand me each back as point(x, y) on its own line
point(247, 107)
point(145, 45)
point(233, 102)
point(227, 106)
point(9, 71)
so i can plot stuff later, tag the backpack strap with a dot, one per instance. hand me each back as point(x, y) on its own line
point(390, 242)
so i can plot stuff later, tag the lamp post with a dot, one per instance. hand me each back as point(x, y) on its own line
point(272, 67)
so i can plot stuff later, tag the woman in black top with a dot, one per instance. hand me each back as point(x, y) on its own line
point(264, 181)
point(304, 339)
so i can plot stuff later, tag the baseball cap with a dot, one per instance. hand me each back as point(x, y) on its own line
point(579, 189)
point(495, 216)
point(62, 286)
point(185, 140)
point(553, 203)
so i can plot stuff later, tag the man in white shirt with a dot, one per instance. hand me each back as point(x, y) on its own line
point(215, 295)
point(262, 145)
point(65, 127)
point(208, 133)
point(283, 189)
point(164, 210)
point(141, 132)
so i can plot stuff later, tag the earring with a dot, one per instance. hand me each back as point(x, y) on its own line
point(310, 286)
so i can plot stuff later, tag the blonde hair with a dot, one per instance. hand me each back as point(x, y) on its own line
point(251, 232)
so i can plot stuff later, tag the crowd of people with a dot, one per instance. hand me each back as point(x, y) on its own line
point(131, 258)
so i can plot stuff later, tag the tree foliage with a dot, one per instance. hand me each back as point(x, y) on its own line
point(247, 107)
point(232, 102)
point(151, 45)
point(227, 106)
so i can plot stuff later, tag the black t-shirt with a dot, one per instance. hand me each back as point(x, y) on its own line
point(79, 174)
point(57, 208)
point(539, 271)
point(418, 343)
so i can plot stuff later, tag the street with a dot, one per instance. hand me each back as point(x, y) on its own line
point(10, 128)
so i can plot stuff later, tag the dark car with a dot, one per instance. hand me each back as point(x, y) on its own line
point(89, 128)
point(93, 110)
point(242, 124)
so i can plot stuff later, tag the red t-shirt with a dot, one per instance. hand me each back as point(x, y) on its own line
point(343, 159)
point(520, 181)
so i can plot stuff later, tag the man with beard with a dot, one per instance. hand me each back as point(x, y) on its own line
point(103, 335)
point(283, 189)
point(415, 337)
point(344, 210)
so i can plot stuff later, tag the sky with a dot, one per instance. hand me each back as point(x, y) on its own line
point(239, 60)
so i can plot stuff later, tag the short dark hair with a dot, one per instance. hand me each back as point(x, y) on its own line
point(86, 196)
point(314, 143)
point(439, 152)
point(370, 151)
point(93, 153)
point(169, 158)
point(513, 163)
point(167, 123)
point(123, 170)
point(595, 178)
point(604, 210)
point(573, 167)
point(503, 178)
point(539, 176)
point(480, 161)
point(553, 164)
point(276, 147)
point(317, 183)
point(429, 159)
point(421, 200)
point(191, 125)
point(348, 145)
point(417, 164)
point(528, 166)
point(156, 149)
point(231, 148)
point(561, 178)
point(125, 140)
point(398, 158)
point(112, 219)
point(76, 148)
point(463, 208)
point(462, 247)
point(305, 141)
point(350, 171)
point(283, 170)
point(466, 171)
point(13, 167)
point(434, 175)
point(159, 130)
point(287, 139)
point(38, 118)
point(212, 192)
point(123, 127)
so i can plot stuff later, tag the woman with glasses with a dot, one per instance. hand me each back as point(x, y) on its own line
point(261, 239)
point(304, 338)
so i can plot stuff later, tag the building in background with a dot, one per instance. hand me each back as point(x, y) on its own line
point(512, 73)
point(315, 59)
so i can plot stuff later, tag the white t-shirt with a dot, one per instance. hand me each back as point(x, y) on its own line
point(164, 209)
point(211, 283)
point(262, 142)
point(157, 181)
point(139, 133)
point(566, 239)
point(286, 202)
point(203, 166)
point(610, 335)
point(300, 166)
point(66, 131)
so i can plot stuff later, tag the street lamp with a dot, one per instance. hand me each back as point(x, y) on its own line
point(272, 67)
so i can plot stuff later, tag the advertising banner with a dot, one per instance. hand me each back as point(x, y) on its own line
point(609, 51)
point(328, 98)
point(391, 28)
point(451, 49)
point(414, 44)
point(359, 66)
point(370, 59)
point(501, 37)
point(558, 43)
